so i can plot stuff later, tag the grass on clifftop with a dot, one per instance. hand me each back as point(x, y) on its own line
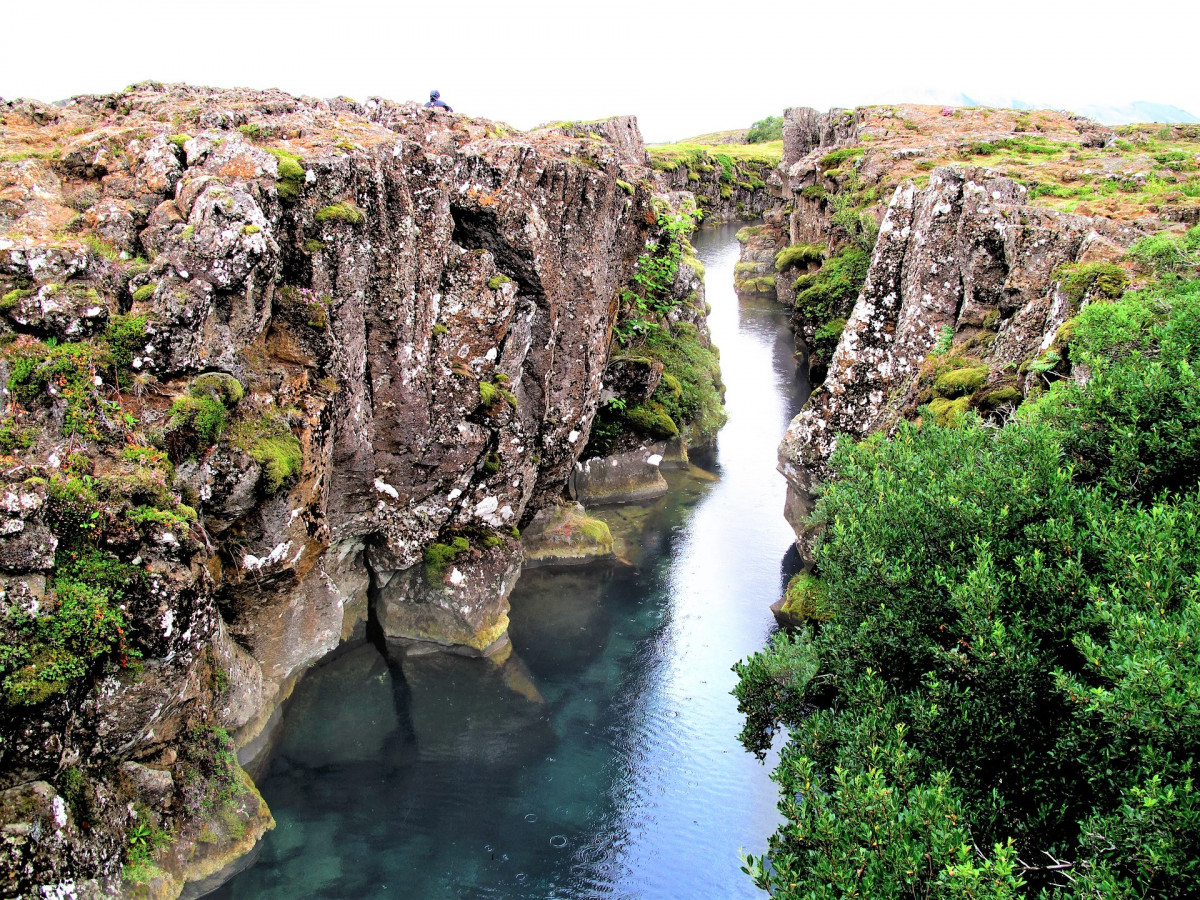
point(671, 156)
point(1145, 173)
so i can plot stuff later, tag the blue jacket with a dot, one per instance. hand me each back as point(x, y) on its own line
point(435, 100)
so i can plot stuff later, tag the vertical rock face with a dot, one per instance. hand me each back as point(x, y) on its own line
point(356, 329)
point(806, 130)
point(965, 258)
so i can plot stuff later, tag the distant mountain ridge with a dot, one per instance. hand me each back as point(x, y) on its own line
point(1138, 111)
point(1130, 113)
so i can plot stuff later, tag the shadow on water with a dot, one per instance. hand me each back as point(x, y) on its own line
point(599, 757)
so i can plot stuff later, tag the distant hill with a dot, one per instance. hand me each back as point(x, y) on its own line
point(1139, 111)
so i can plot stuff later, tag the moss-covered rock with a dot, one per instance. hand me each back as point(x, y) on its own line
point(803, 602)
point(566, 535)
point(958, 382)
point(948, 412)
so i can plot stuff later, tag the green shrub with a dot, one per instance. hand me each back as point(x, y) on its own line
point(496, 281)
point(14, 436)
point(768, 129)
point(125, 337)
point(1013, 654)
point(51, 373)
point(1166, 254)
point(82, 621)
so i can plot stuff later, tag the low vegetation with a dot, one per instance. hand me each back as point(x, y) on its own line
point(1001, 700)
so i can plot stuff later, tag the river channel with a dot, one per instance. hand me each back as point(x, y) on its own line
point(600, 758)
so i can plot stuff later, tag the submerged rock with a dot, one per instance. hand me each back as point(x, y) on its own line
point(565, 535)
point(629, 477)
point(458, 601)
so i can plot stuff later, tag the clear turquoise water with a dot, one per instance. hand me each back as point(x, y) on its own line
point(600, 759)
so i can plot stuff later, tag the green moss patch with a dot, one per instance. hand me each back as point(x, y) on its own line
point(341, 212)
point(957, 382)
point(806, 600)
point(799, 255)
point(1097, 281)
point(198, 418)
point(269, 440)
point(948, 412)
point(292, 175)
point(440, 557)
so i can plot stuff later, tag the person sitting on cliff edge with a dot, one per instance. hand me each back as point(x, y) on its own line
point(436, 101)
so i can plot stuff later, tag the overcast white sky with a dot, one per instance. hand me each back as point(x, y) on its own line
point(682, 68)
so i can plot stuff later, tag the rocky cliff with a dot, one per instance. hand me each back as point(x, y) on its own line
point(932, 257)
point(273, 365)
point(730, 181)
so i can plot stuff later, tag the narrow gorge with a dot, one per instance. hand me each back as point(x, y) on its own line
point(421, 472)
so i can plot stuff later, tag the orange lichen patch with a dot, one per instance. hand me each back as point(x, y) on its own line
point(482, 199)
point(242, 166)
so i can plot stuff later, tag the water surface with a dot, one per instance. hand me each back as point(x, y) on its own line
point(600, 758)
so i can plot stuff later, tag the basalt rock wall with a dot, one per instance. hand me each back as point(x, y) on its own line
point(965, 262)
point(359, 331)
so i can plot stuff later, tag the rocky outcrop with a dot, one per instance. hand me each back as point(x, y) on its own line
point(728, 191)
point(806, 130)
point(298, 345)
point(566, 535)
point(966, 263)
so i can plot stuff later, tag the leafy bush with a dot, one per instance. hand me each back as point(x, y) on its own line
point(1165, 253)
point(1011, 667)
point(768, 129)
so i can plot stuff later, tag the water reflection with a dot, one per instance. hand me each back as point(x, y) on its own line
point(600, 757)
